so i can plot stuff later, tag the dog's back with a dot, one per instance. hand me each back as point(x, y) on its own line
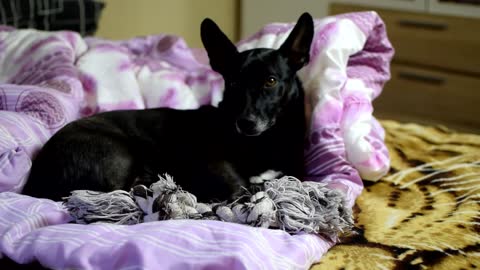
point(113, 150)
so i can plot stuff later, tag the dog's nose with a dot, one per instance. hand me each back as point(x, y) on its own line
point(247, 126)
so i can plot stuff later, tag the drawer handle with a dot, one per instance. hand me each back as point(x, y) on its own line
point(421, 78)
point(424, 25)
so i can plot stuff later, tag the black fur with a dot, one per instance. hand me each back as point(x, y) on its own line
point(259, 126)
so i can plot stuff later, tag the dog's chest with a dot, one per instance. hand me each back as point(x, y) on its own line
point(253, 157)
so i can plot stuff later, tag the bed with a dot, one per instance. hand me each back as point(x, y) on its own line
point(423, 214)
point(51, 78)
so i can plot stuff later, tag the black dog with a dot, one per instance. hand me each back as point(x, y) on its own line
point(259, 126)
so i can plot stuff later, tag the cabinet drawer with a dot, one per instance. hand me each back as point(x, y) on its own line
point(452, 7)
point(426, 96)
point(413, 5)
point(450, 43)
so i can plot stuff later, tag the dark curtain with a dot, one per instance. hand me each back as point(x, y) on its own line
point(76, 15)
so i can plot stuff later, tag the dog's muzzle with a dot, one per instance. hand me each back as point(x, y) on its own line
point(251, 126)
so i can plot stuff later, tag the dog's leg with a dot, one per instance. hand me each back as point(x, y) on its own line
point(265, 176)
point(146, 177)
point(229, 180)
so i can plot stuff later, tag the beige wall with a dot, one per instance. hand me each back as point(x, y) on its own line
point(257, 13)
point(122, 19)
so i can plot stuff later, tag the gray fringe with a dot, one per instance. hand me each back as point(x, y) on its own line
point(114, 207)
point(284, 203)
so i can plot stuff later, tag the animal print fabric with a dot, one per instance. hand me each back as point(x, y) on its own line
point(425, 213)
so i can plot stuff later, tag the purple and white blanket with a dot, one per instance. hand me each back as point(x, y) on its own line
point(48, 79)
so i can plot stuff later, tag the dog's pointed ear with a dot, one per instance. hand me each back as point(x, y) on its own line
point(221, 51)
point(297, 45)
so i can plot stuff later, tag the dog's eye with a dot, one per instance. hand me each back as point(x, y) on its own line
point(270, 82)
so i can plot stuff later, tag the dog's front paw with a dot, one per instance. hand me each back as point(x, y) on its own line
point(266, 176)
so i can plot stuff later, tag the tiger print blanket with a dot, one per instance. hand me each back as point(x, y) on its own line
point(425, 214)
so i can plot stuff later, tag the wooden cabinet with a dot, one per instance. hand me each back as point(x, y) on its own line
point(435, 71)
point(466, 8)
point(426, 96)
point(444, 42)
point(437, 41)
